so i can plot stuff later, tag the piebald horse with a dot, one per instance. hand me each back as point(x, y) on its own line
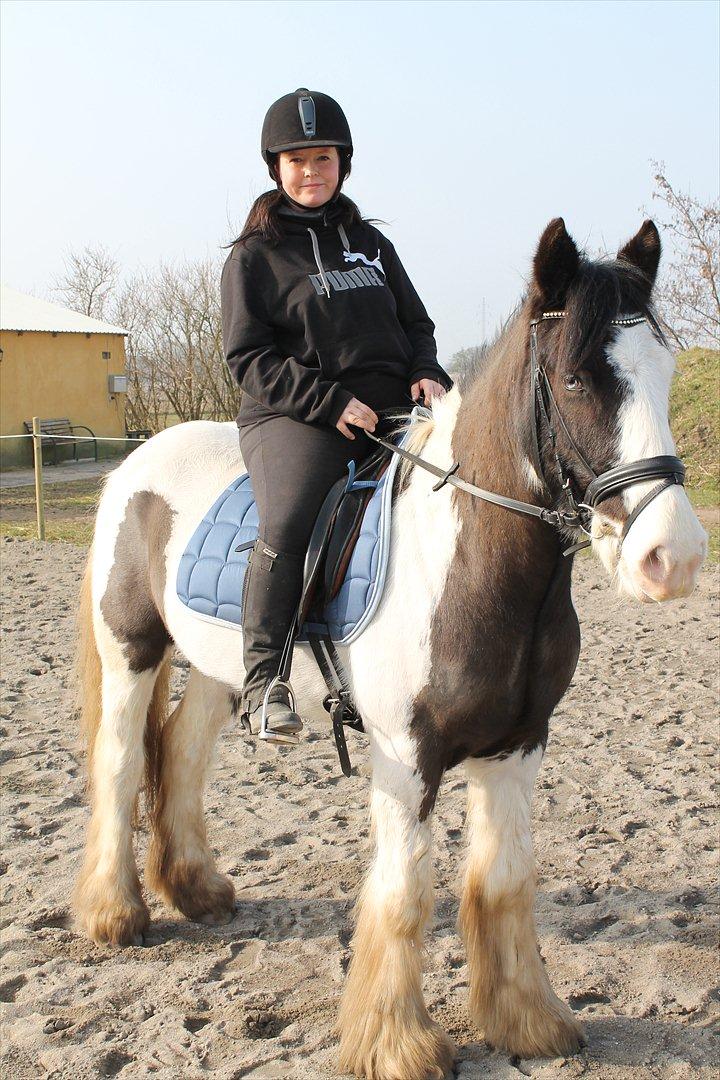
point(465, 667)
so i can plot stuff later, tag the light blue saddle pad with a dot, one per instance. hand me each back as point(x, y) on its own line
point(211, 572)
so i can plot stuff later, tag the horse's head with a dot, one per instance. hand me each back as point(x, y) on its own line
point(611, 384)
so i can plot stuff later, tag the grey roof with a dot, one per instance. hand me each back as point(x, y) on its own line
point(18, 311)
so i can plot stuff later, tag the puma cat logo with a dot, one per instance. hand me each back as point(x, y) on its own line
point(354, 256)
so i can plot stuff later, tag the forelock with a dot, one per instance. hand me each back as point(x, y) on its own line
point(603, 291)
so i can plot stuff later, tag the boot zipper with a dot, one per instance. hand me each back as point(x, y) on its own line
point(246, 580)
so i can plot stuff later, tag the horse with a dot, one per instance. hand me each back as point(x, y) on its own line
point(472, 647)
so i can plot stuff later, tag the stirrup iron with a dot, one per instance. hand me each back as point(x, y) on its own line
point(283, 737)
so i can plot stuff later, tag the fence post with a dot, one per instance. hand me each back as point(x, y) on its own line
point(37, 460)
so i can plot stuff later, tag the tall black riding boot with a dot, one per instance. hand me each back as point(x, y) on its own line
point(271, 594)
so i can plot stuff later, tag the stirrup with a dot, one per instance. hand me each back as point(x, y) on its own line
point(267, 733)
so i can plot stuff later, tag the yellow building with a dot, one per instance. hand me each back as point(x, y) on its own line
point(57, 363)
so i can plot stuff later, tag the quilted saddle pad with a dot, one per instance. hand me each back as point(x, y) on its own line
point(211, 572)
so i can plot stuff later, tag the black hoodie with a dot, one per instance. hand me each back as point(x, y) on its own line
point(325, 315)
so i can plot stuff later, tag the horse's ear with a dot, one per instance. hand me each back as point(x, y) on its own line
point(555, 264)
point(643, 251)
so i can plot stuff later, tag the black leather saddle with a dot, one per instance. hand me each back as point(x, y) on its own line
point(335, 534)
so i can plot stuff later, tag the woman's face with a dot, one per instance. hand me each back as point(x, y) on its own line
point(311, 176)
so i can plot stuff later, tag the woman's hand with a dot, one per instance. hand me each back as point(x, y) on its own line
point(358, 414)
point(429, 388)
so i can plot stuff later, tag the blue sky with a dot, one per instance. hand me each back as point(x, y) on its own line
point(136, 125)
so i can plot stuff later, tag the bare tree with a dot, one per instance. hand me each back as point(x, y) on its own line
point(178, 344)
point(688, 292)
point(465, 361)
point(88, 280)
point(174, 359)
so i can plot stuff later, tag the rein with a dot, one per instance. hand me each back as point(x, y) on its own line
point(613, 481)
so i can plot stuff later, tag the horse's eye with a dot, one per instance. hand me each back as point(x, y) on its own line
point(573, 382)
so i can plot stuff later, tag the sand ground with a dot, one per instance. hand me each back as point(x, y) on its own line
point(625, 830)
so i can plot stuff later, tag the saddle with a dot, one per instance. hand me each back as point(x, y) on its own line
point(336, 530)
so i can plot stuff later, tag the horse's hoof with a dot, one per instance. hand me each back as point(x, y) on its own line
point(116, 925)
point(218, 918)
point(552, 1032)
point(423, 1052)
point(202, 896)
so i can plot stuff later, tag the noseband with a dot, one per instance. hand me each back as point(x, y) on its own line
point(670, 470)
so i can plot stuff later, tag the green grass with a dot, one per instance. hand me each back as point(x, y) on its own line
point(695, 421)
point(66, 532)
point(69, 511)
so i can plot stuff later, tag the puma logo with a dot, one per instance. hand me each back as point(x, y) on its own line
point(355, 256)
point(358, 278)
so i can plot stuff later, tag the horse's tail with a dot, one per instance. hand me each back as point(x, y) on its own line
point(89, 670)
point(89, 666)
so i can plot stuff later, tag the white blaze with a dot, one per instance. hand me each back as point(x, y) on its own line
point(668, 525)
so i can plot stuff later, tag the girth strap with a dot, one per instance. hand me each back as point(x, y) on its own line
point(338, 701)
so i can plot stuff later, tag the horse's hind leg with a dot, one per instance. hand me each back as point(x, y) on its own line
point(181, 867)
point(511, 999)
point(386, 1032)
point(108, 900)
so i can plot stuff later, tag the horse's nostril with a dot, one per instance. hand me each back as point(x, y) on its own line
point(657, 564)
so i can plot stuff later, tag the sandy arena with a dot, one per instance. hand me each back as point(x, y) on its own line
point(625, 831)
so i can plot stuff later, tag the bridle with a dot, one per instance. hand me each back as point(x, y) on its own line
point(670, 470)
point(666, 468)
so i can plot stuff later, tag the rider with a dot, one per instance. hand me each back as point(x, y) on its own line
point(322, 327)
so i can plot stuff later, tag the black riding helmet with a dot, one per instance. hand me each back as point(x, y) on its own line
point(305, 118)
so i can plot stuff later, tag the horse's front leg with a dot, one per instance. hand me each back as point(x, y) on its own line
point(386, 1033)
point(511, 999)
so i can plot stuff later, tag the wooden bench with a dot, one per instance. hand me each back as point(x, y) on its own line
point(62, 426)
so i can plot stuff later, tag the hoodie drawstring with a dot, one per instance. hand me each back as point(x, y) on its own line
point(318, 261)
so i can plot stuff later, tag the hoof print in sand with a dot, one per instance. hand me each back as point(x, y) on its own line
point(263, 1024)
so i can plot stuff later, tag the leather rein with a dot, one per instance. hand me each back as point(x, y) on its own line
point(666, 468)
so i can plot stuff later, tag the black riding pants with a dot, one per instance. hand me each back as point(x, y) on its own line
point(292, 466)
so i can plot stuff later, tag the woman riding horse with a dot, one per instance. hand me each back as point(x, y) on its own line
point(322, 329)
point(569, 405)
